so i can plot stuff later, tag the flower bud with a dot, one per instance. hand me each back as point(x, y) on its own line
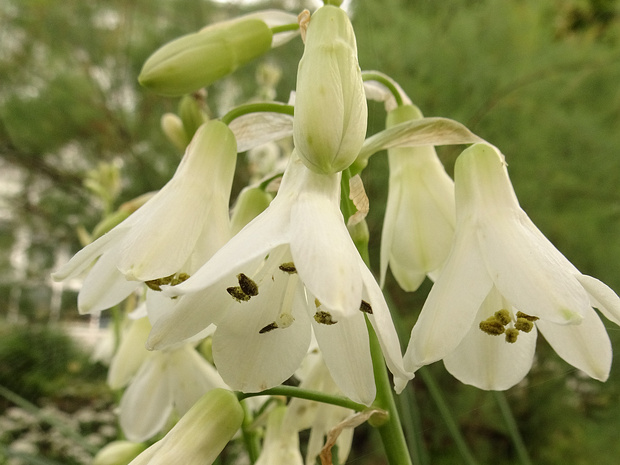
point(250, 203)
point(202, 433)
point(199, 59)
point(118, 453)
point(329, 126)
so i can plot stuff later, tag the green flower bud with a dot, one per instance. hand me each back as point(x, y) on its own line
point(250, 203)
point(202, 433)
point(329, 126)
point(191, 114)
point(118, 453)
point(173, 128)
point(199, 59)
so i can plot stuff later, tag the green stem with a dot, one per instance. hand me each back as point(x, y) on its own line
point(444, 411)
point(380, 78)
point(513, 429)
point(269, 107)
point(391, 432)
point(293, 391)
point(285, 28)
point(250, 438)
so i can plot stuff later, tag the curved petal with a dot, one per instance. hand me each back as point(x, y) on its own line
point(131, 354)
point(489, 362)
point(251, 357)
point(451, 306)
point(190, 314)
point(147, 402)
point(324, 254)
point(602, 297)
point(585, 346)
point(392, 210)
point(104, 286)
point(383, 325)
point(346, 352)
point(265, 232)
point(85, 257)
point(527, 273)
point(190, 377)
point(255, 129)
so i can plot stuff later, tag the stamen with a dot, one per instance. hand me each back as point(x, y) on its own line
point(325, 318)
point(172, 280)
point(511, 335)
point(269, 327)
point(288, 267)
point(524, 325)
point(526, 316)
point(237, 293)
point(248, 286)
point(365, 307)
point(503, 316)
point(492, 326)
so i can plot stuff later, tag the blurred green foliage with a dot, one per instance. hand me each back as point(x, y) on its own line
point(43, 361)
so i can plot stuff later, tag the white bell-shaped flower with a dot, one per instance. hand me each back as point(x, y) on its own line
point(292, 269)
point(503, 281)
point(173, 233)
point(419, 218)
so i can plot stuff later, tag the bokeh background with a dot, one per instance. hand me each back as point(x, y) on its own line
point(78, 137)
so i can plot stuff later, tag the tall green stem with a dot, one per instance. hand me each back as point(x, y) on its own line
point(391, 432)
point(513, 429)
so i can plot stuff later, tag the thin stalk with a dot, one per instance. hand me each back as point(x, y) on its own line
point(269, 107)
point(391, 431)
point(250, 438)
point(448, 419)
point(412, 424)
point(285, 28)
point(513, 429)
point(293, 391)
point(370, 76)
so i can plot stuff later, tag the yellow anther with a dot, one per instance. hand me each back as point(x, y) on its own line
point(524, 325)
point(492, 326)
point(526, 316)
point(503, 316)
point(511, 335)
point(325, 318)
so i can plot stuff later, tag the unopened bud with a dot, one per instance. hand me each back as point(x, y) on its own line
point(202, 433)
point(173, 128)
point(329, 126)
point(250, 203)
point(196, 60)
point(118, 453)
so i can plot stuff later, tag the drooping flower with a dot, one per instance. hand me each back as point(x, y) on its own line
point(149, 246)
point(159, 383)
point(281, 444)
point(502, 282)
point(419, 219)
point(202, 433)
point(329, 125)
point(293, 268)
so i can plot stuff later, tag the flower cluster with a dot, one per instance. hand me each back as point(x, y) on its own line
point(280, 284)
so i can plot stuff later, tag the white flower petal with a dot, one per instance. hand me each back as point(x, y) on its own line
point(381, 321)
point(585, 346)
point(265, 232)
point(528, 276)
point(85, 257)
point(602, 296)
point(104, 286)
point(190, 376)
point(452, 305)
point(251, 361)
point(131, 354)
point(147, 402)
point(324, 254)
point(189, 316)
point(158, 247)
point(487, 361)
point(346, 352)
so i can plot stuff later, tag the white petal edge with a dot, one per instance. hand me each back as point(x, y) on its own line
point(602, 296)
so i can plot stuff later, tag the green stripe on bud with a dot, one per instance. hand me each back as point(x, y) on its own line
point(196, 60)
point(329, 126)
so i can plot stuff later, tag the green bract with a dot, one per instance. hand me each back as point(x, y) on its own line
point(199, 59)
point(330, 104)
